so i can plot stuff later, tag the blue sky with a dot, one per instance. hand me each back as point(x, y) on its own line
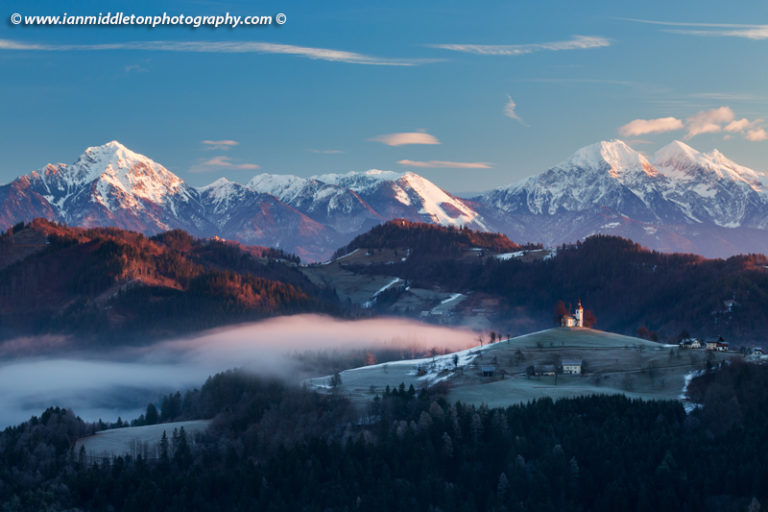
point(440, 73)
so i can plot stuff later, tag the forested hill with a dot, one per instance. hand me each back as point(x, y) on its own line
point(427, 239)
point(107, 283)
point(271, 447)
point(627, 286)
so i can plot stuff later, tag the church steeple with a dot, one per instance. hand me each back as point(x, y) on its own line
point(579, 314)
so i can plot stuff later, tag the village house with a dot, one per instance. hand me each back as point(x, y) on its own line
point(690, 343)
point(544, 370)
point(574, 320)
point(572, 366)
point(717, 344)
point(488, 370)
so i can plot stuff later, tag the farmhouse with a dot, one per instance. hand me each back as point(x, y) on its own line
point(544, 370)
point(717, 344)
point(572, 366)
point(690, 343)
point(574, 320)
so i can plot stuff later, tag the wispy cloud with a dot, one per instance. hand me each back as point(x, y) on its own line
point(446, 164)
point(723, 119)
point(756, 134)
point(729, 96)
point(327, 151)
point(135, 68)
point(222, 145)
point(308, 52)
point(716, 120)
point(709, 121)
point(569, 80)
point(746, 31)
point(577, 43)
point(646, 126)
point(405, 138)
point(510, 110)
point(219, 163)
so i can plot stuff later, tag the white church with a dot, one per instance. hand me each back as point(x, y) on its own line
point(574, 320)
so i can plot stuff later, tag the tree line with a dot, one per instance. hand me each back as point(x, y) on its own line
point(275, 447)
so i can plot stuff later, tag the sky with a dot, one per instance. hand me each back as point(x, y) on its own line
point(470, 95)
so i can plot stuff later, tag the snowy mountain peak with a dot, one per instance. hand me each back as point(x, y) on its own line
point(219, 184)
point(357, 180)
point(284, 186)
point(614, 154)
point(119, 165)
point(681, 162)
point(676, 151)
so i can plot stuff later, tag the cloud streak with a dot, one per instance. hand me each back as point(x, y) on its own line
point(445, 164)
point(222, 145)
point(577, 43)
point(325, 54)
point(327, 151)
point(716, 120)
point(218, 163)
point(646, 126)
point(405, 138)
point(745, 31)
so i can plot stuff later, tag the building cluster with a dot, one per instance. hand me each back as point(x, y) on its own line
point(574, 320)
point(566, 367)
point(712, 344)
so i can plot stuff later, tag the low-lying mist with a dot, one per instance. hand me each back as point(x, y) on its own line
point(122, 381)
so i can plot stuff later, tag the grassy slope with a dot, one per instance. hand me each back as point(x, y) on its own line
point(616, 364)
point(131, 440)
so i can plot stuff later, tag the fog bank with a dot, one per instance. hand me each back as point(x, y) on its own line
point(121, 382)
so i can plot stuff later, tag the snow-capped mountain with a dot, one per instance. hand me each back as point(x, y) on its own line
point(710, 188)
point(358, 200)
point(681, 200)
point(322, 200)
point(111, 185)
point(240, 213)
point(678, 200)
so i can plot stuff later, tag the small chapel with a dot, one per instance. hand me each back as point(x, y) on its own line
point(574, 320)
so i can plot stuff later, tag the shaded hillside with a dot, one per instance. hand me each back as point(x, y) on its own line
point(272, 447)
point(424, 238)
point(627, 286)
point(107, 283)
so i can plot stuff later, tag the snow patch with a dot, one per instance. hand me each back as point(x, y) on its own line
point(510, 255)
point(372, 301)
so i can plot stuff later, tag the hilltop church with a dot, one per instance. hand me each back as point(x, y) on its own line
point(574, 320)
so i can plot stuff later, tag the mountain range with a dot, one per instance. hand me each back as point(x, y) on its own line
point(679, 200)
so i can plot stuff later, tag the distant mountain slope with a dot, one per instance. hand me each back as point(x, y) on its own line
point(678, 200)
point(108, 283)
point(110, 185)
point(626, 285)
point(682, 201)
point(422, 238)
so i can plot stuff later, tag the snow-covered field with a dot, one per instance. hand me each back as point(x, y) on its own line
point(136, 441)
point(617, 364)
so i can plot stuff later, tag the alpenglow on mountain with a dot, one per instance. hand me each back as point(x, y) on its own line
point(680, 200)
